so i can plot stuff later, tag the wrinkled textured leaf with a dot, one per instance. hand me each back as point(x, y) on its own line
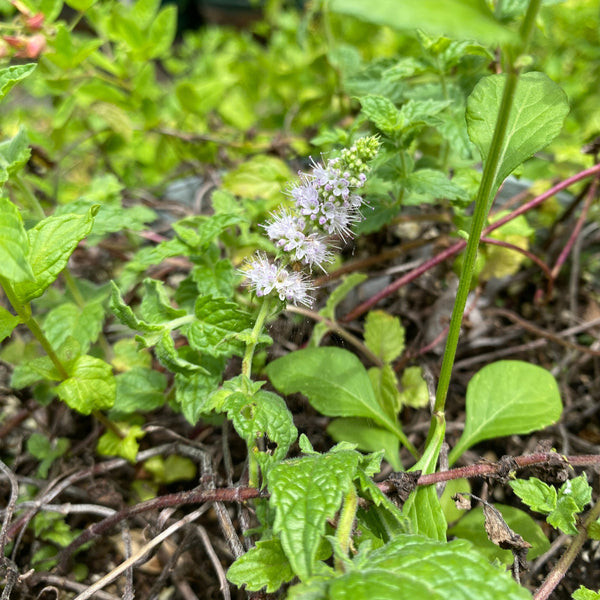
point(537, 494)
point(14, 244)
point(192, 392)
point(260, 177)
point(305, 492)
point(139, 389)
point(126, 315)
point(265, 566)
point(68, 319)
point(384, 335)
point(537, 115)
point(499, 392)
point(15, 153)
point(110, 444)
point(91, 386)
point(198, 231)
point(51, 243)
point(217, 323)
point(156, 307)
point(263, 415)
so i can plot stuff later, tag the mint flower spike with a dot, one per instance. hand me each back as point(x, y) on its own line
point(325, 205)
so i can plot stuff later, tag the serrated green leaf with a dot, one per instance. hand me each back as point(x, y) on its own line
point(368, 437)
point(156, 307)
point(8, 322)
point(583, 593)
point(385, 386)
point(305, 492)
point(263, 415)
point(68, 319)
point(382, 112)
point(461, 19)
point(14, 244)
point(502, 390)
point(9, 76)
point(384, 335)
point(110, 444)
point(538, 495)
point(563, 517)
point(51, 243)
point(429, 185)
point(91, 386)
point(579, 489)
point(471, 527)
point(15, 153)
point(217, 323)
point(215, 279)
point(536, 118)
point(264, 566)
point(139, 390)
point(169, 356)
point(192, 392)
point(127, 356)
point(126, 315)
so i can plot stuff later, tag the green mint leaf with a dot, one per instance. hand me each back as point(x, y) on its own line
point(536, 118)
point(367, 437)
point(583, 593)
point(579, 489)
point(382, 112)
point(429, 185)
point(455, 18)
point(171, 469)
point(305, 492)
point(471, 527)
point(192, 392)
point(199, 231)
point(8, 322)
point(15, 153)
point(127, 356)
point(262, 415)
point(502, 390)
point(126, 315)
point(9, 76)
point(51, 243)
point(539, 496)
point(564, 516)
point(169, 356)
point(341, 390)
point(91, 386)
point(424, 511)
point(265, 566)
point(156, 307)
point(384, 335)
point(385, 386)
point(14, 245)
point(110, 444)
point(33, 371)
point(412, 566)
point(139, 390)
point(217, 323)
point(68, 319)
point(43, 449)
point(414, 388)
point(215, 279)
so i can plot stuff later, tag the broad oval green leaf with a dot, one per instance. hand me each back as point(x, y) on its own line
point(508, 397)
point(462, 19)
point(333, 379)
point(536, 118)
point(14, 245)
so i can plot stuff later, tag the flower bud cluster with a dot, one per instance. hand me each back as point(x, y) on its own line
point(326, 205)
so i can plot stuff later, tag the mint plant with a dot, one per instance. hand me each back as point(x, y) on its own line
point(178, 324)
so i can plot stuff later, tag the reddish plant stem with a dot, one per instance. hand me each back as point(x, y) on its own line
point(574, 235)
point(456, 248)
point(238, 494)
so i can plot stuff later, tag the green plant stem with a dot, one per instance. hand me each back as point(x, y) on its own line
point(24, 313)
point(346, 525)
point(566, 560)
point(256, 331)
point(482, 206)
